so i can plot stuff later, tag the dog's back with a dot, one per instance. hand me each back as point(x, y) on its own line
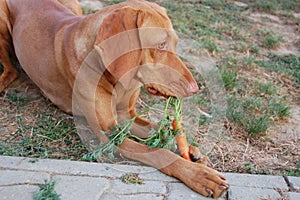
point(36, 28)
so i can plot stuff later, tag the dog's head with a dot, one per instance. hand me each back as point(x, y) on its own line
point(138, 37)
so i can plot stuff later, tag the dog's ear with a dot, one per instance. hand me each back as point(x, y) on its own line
point(118, 41)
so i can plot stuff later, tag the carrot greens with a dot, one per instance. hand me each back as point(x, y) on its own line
point(163, 137)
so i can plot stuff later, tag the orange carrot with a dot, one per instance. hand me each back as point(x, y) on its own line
point(181, 140)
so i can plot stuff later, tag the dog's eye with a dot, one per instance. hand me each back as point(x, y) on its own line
point(162, 46)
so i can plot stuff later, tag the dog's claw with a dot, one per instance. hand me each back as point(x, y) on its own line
point(209, 191)
point(222, 177)
point(223, 187)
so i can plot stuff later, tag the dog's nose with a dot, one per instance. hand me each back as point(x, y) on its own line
point(193, 88)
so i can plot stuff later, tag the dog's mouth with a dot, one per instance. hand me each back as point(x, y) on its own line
point(153, 91)
point(157, 92)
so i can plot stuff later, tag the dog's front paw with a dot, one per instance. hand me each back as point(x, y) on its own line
point(203, 179)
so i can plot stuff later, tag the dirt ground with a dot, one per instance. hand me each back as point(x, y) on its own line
point(278, 152)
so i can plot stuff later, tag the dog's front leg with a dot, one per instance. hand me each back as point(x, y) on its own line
point(198, 177)
point(141, 126)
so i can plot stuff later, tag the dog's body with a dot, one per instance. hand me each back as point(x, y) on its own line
point(53, 46)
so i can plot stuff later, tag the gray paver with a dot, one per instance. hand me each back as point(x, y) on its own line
point(293, 196)
point(149, 173)
point(24, 192)
point(132, 197)
point(83, 180)
point(178, 191)
point(10, 177)
point(256, 181)
point(154, 187)
point(55, 166)
point(80, 187)
point(250, 193)
point(295, 182)
point(80, 168)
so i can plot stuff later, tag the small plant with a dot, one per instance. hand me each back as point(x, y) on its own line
point(252, 169)
point(250, 113)
point(210, 45)
point(278, 108)
point(292, 172)
point(131, 178)
point(248, 61)
point(288, 64)
point(47, 192)
point(229, 78)
point(271, 42)
point(266, 89)
point(18, 98)
point(265, 6)
point(256, 125)
point(273, 5)
point(88, 157)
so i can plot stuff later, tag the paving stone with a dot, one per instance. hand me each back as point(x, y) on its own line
point(179, 191)
point(250, 193)
point(155, 187)
point(145, 173)
point(80, 187)
point(9, 177)
point(132, 197)
point(293, 196)
point(54, 166)
point(81, 168)
point(295, 182)
point(7, 161)
point(83, 180)
point(256, 181)
point(156, 176)
point(22, 192)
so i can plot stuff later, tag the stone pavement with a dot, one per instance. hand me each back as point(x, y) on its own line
point(20, 177)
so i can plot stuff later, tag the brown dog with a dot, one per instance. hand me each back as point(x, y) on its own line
point(94, 66)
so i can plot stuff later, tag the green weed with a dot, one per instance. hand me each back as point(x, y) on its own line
point(288, 64)
point(248, 61)
point(266, 89)
point(252, 169)
point(292, 172)
point(205, 18)
point(18, 98)
point(210, 45)
point(273, 5)
point(278, 108)
point(256, 124)
point(255, 114)
point(229, 79)
point(47, 192)
point(131, 178)
point(271, 42)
